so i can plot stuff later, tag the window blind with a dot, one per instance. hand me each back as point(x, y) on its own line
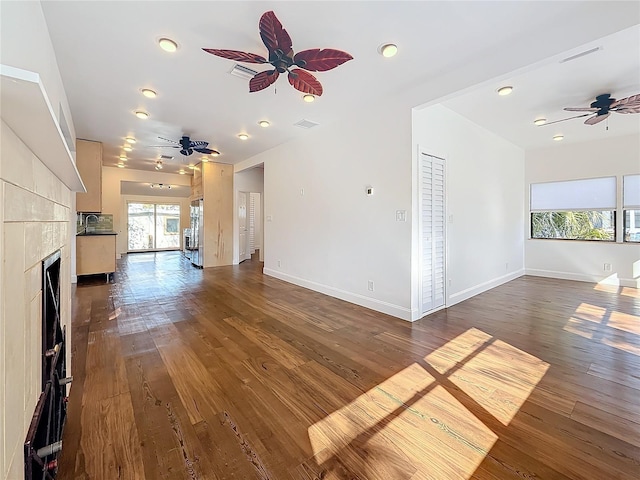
point(589, 194)
point(631, 191)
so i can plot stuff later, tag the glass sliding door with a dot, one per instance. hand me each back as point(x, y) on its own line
point(153, 226)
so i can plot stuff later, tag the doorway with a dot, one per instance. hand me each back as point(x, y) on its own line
point(153, 226)
point(249, 225)
point(432, 233)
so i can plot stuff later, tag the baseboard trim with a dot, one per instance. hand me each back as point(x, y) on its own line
point(368, 302)
point(581, 277)
point(483, 287)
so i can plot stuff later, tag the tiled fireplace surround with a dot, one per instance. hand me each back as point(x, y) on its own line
point(35, 221)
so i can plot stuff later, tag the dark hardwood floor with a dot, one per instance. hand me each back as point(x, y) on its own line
point(224, 373)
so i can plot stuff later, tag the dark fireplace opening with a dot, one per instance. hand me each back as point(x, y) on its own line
point(44, 437)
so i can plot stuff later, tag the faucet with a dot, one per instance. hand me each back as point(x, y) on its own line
point(86, 221)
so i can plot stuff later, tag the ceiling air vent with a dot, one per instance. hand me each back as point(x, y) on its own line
point(166, 157)
point(581, 54)
point(243, 72)
point(306, 124)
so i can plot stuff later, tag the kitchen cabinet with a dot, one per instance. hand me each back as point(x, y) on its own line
point(95, 253)
point(89, 164)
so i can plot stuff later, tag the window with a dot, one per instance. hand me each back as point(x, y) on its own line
point(574, 210)
point(631, 207)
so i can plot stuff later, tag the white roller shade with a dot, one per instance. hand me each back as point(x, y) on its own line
point(631, 191)
point(591, 194)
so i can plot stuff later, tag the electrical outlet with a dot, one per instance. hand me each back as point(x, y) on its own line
point(370, 285)
point(302, 191)
point(279, 263)
point(607, 267)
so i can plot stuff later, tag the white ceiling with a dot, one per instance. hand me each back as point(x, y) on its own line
point(107, 52)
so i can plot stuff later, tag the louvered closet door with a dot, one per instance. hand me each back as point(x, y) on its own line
point(433, 232)
point(252, 223)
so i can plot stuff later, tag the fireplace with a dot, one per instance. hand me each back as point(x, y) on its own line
point(44, 437)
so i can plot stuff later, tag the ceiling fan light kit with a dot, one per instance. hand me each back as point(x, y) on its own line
point(282, 58)
point(188, 146)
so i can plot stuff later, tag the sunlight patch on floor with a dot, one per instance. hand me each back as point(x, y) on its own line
point(411, 415)
point(625, 322)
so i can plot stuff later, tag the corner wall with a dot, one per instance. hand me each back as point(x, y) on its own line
point(583, 260)
point(321, 230)
point(484, 202)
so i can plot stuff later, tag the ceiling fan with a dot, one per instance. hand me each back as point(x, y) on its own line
point(188, 146)
point(282, 58)
point(602, 108)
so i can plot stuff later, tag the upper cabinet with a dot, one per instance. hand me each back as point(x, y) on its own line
point(89, 163)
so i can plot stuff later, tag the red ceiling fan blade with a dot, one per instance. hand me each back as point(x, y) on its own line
point(321, 60)
point(262, 80)
point(305, 82)
point(565, 119)
point(627, 105)
point(273, 35)
point(596, 119)
point(236, 55)
point(581, 109)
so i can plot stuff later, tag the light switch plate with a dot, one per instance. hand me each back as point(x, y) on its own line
point(401, 215)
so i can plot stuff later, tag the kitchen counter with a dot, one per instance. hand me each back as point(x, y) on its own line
point(96, 253)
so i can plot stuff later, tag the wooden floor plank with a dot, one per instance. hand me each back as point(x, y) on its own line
point(224, 373)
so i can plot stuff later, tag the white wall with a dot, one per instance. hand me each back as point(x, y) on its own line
point(36, 219)
point(582, 260)
point(114, 203)
point(249, 180)
point(335, 238)
point(484, 202)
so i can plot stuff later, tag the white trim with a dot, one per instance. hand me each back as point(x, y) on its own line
point(378, 305)
point(74, 278)
point(579, 277)
point(483, 287)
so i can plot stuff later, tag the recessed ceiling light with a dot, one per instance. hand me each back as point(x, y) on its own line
point(540, 121)
point(141, 114)
point(182, 172)
point(191, 166)
point(308, 98)
point(388, 50)
point(263, 123)
point(502, 91)
point(243, 136)
point(204, 159)
point(168, 45)
point(121, 165)
point(130, 140)
point(127, 148)
point(557, 138)
point(147, 92)
point(123, 158)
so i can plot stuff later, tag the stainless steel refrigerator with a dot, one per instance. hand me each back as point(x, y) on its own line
point(197, 233)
